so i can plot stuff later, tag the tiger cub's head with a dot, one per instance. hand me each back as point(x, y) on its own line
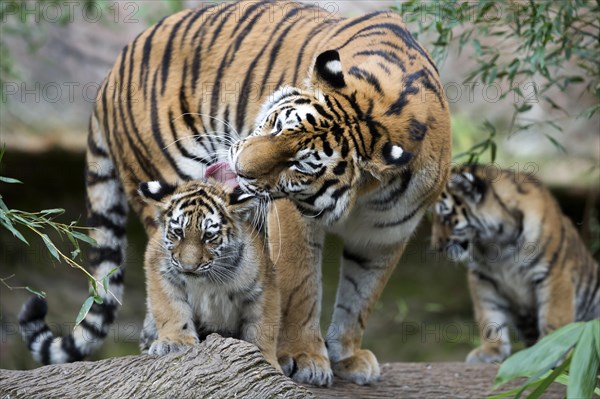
point(476, 208)
point(324, 145)
point(202, 226)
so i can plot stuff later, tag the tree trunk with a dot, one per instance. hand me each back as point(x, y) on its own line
point(217, 368)
point(228, 368)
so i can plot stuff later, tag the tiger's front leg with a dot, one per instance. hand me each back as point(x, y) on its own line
point(364, 273)
point(172, 316)
point(296, 248)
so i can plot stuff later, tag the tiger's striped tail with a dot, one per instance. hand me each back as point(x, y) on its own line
point(107, 214)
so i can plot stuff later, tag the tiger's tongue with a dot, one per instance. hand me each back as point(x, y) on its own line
point(221, 172)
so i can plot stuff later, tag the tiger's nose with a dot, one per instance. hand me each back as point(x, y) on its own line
point(260, 156)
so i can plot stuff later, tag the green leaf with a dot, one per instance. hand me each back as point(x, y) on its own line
point(515, 391)
point(85, 308)
point(41, 294)
point(9, 226)
point(556, 143)
point(84, 238)
point(93, 286)
point(492, 151)
point(75, 253)
point(50, 246)
point(596, 327)
point(98, 299)
point(545, 383)
point(582, 375)
point(105, 283)
point(52, 211)
point(10, 180)
point(543, 355)
point(524, 108)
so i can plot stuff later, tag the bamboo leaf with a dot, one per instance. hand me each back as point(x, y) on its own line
point(9, 226)
point(105, 283)
point(543, 355)
point(84, 238)
point(514, 391)
point(85, 308)
point(545, 383)
point(596, 327)
point(556, 143)
point(52, 211)
point(582, 375)
point(10, 180)
point(51, 247)
point(41, 294)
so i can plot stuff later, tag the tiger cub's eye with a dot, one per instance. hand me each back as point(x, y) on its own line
point(178, 232)
point(209, 235)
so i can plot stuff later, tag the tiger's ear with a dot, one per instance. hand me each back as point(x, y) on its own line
point(328, 70)
point(155, 192)
point(467, 185)
point(240, 202)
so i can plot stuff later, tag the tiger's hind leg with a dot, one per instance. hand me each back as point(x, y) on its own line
point(492, 316)
point(363, 276)
point(295, 249)
point(556, 299)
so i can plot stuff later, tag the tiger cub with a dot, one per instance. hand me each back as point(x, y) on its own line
point(207, 270)
point(528, 267)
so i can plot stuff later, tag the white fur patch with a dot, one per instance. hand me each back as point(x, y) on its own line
point(154, 187)
point(469, 177)
point(334, 67)
point(397, 151)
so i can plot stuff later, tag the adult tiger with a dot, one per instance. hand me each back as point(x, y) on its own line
point(528, 267)
point(357, 139)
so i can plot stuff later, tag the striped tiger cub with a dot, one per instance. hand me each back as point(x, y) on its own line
point(207, 270)
point(528, 267)
point(341, 121)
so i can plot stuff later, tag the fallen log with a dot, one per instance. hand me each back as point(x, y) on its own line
point(228, 368)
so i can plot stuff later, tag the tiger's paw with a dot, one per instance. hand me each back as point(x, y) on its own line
point(481, 355)
point(162, 347)
point(307, 368)
point(362, 368)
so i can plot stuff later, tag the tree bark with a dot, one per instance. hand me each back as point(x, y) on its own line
point(217, 368)
point(228, 368)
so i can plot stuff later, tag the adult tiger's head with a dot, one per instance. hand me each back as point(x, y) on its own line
point(326, 145)
point(201, 224)
point(471, 212)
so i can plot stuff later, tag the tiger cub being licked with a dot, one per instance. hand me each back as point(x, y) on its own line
point(527, 265)
point(207, 270)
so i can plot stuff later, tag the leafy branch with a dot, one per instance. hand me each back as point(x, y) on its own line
point(569, 355)
point(528, 46)
point(38, 223)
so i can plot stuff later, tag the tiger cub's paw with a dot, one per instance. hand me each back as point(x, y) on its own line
point(307, 368)
point(162, 347)
point(362, 368)
point(481, 355)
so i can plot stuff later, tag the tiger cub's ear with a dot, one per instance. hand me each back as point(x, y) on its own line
point(468, 186)
point(328, 70)
point(155, 192)
point(241, 202)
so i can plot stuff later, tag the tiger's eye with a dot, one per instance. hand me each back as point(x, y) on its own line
point(209, 235)
point(178, 232)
